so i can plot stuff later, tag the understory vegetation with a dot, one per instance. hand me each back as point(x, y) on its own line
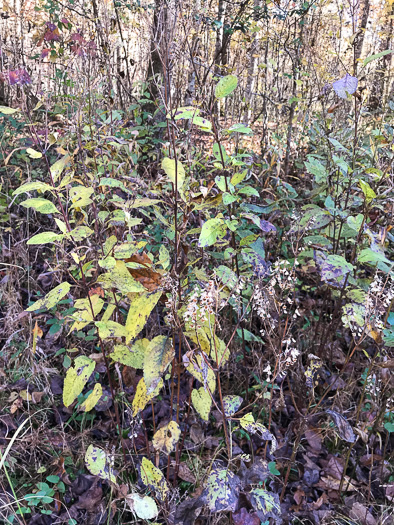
point(196, 278)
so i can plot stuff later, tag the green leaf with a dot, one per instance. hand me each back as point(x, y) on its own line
point(41, 205)
point(144, 507)
point(334, 269)
point(272, 468)
point(33, 154)
point(5, 110)
point(355, 223)
point(378, 55)
point(131, 356)
point(76, 378)
point(371, 257)
point(158, 357)
point(389, 427)
point(51, 299)
point(240, 128)
point(185, 112)
point(44, 238)
point(139, 312)
point(31, 186)
point(212, 230)
point(225, 86)
point(388, 337)
point(153, 477)
point(202, 402)
point(168, 165)
point(98, 463)
point(219, 152)
point(368, 191)
point(202, 123)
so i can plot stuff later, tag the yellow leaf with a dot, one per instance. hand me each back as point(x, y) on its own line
point(92, 400)
point(98, 463)
point(199, 369)
point(202, 402)
point(153, 477)
point(119, 278)
point(140, 310)
point(37, 332)
point(142, 398)
point(131, 356)
point(159, 355)
point(110, 329)
point(167, 437)
point(76, 378)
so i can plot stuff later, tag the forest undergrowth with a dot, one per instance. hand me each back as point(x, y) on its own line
point(195, 329)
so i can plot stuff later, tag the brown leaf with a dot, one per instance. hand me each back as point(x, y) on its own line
point(314, 439)
point(150, 279)
point(299, 496)
point(345, 430)
point(186, 474)
point(362, 515)
point(242, 517)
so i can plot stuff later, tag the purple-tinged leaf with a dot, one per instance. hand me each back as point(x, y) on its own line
point(19, 77)
point(346, 85)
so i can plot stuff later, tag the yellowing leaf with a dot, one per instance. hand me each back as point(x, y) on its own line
point(173, 169)
point(222, 490)
point(98, 463)
point(33, 154)
point(211, 231)
point(225, 86)
point(84, 316)
point(5, 110)
point(142, 398)
point(76, 378)
point(119, 278)
point(167, 437)
point(110, 329)
point(93, 398)
point(58, 167)
point(265, 503)
point(153, 477)
point(143, 506)
point(199, 369)
point(131, 356)
point(42, 205)
point(159, 355)
point(231, 404)
point(51, 299)
point(202, 402)
point(140, 310)
point(250, 425)
point(31, 186)
point(44, 238)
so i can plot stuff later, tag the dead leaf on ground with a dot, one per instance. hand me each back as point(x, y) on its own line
point(360, 513)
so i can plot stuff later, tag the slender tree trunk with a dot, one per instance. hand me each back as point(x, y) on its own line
point(361, 28)
point(381, 78)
